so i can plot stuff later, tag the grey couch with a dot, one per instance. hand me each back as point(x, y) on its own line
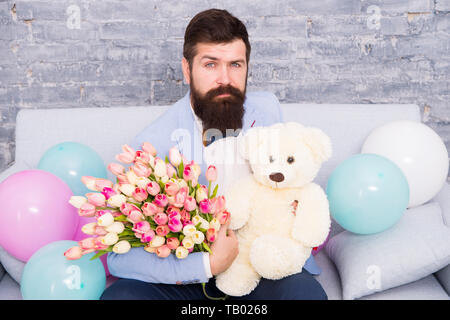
point(106, 129)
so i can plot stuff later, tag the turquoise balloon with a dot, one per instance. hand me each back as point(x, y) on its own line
point(367, 194)
point(72, 160)
point(48, 275)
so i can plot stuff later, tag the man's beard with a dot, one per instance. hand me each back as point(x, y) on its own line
point(219, 113)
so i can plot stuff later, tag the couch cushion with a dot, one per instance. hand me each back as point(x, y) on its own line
point(418, 245)
point(9, 289)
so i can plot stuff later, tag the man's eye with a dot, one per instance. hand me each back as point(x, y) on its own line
point(236, 65)
point(210, 65)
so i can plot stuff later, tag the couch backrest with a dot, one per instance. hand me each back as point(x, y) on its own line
point(107, 129)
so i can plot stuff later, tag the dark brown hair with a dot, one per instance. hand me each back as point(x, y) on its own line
point(213, 26)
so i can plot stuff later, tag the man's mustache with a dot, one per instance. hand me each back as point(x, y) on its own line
point(228, 89)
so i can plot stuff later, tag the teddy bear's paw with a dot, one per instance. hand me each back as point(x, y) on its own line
point(239, 281)
point(275, 257)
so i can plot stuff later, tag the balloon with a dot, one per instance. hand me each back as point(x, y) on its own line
point(48, 275)
point(34, 211)
point(418, 151)
point(80, 235)
point(72, 160)
point(367, 194)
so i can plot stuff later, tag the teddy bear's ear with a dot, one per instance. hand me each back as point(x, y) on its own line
point(318, 142)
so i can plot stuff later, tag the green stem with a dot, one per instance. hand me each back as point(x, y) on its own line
point(211, 298)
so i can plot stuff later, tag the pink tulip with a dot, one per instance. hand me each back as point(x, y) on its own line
point(161, 218)
point(116, 169)
point(100, 231)
point(148, 147)
point(135, 216)
point(211, 173)
point(141, 227)
point(100, 184)
point(188, 173)
point(148, 236)
point(140, 194)
point(108, 192)
point(174, 156)
point(175, 225)
point(127, 156)
point(190, 204)
point(171, 188)
point(162, 230)
point(163, 251)
point(86, 244)
point(185, 216)
point(223, 217)
point(153, 188)
point(205, 206)
point(211, 234)
point(122, 179)
point(173, 243)
point(73, 253)
point(126, 208)
point(98, 245)
point(89, 182)
point(142, 170)
point(142, 156)
point(86, 210)
point(161, 200)
point(149, 209)
point(97, 199)
point(171, 171)
point(217, 204)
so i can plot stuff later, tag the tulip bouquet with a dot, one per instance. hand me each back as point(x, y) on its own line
point(156, 204)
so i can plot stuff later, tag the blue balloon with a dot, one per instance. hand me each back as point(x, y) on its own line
point(367, 193)
point(72, 160)
point(49, 275)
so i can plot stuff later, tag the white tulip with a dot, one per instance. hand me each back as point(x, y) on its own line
point(116, 227)
point(188, 243)
point(200, 195)
point(122, 246)
point(89, 228)
point(215, 224)
point(157, 241)
point(105, 220)
point(198, 237)
point(132, 177)
point(160, 168)
point(127, 189)
point(117, 200)
point(77, 201)
point(189, 230)
point(142, 182)
point(181, 252)
point(110, 238)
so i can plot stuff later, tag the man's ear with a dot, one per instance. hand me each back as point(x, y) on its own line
point(186, 70)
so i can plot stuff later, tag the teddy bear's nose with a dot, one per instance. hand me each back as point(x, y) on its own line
point(277, 177)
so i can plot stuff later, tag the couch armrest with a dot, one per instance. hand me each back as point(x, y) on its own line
point(443, 198)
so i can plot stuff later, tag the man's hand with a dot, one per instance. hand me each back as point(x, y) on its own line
point(224, 250)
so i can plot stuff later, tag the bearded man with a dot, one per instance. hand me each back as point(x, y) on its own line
point(215, 61)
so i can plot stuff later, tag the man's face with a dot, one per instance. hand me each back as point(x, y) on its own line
point(218, 79)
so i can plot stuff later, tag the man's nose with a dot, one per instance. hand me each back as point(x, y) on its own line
point(224, 76)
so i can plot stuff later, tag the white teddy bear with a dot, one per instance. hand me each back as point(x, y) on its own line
point(278, 212)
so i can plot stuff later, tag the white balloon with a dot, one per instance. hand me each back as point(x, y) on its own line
point(418, 151)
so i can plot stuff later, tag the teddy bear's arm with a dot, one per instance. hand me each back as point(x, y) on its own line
point(312, 222)
point(238, 201)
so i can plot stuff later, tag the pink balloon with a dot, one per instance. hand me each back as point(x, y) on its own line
point(34, 211)
point(80, 235)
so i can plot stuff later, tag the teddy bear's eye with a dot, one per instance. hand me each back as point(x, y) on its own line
point(290, 160)
point(271, 159)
